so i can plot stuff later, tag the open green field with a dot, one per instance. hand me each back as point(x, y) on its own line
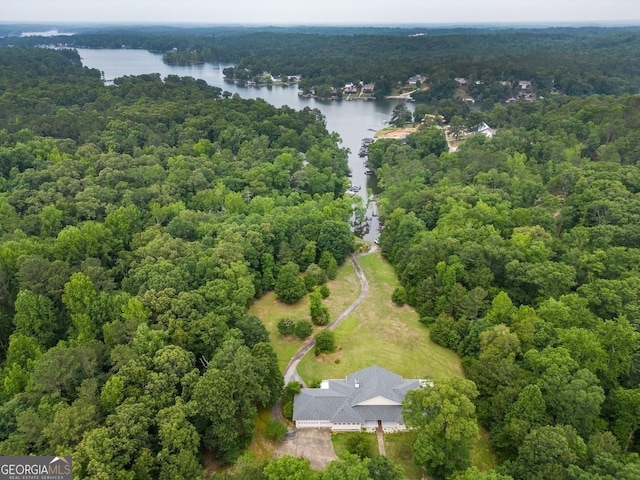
point(380, 333)
point(344, 290)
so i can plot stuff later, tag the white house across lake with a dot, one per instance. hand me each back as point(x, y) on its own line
point(369, 399)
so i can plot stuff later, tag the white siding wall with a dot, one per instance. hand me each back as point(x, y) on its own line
point(390, 427)
point(371, 426)
point(346, 427)
point(313, 424)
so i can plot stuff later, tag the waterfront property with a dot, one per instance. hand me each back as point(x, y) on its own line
point(368, 399)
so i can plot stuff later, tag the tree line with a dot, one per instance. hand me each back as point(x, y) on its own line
point(137, 224)
point(521, 253)
point(568, 61)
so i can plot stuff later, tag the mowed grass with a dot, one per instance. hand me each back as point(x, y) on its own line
point(344, 290)
point(380, 333)
point(399, 448)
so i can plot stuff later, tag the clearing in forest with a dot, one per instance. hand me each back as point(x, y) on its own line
point(380, 333)
point(344, 290)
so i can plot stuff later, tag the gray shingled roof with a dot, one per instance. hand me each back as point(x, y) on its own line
point(340, 402)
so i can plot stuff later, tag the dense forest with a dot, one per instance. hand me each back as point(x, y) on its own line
point(137, 223)
point(522, 252)
point(569, 61)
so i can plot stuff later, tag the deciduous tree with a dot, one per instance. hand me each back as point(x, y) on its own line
point(445, 421)
point(290, 286)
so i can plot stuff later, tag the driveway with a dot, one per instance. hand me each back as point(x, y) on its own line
point(314, 444)
point(291, 372)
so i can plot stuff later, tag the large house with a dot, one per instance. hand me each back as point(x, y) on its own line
point(368, 399)
point(369, 88)
point(350, 88)
point(486, 130)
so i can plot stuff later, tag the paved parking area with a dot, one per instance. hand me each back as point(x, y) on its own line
point(314, 444)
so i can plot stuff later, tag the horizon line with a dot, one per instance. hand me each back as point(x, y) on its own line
point(404, 25)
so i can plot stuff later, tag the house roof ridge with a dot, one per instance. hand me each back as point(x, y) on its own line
point(340, 401)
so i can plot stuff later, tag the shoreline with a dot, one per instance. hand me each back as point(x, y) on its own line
point(395, 132)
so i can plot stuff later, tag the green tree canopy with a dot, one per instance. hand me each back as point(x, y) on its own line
point(444, 417)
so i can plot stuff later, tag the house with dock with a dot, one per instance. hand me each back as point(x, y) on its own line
point(369, 399)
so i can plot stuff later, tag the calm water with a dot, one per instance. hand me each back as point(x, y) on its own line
point(352, 120)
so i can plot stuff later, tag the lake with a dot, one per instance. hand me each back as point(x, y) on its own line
point(352, 120)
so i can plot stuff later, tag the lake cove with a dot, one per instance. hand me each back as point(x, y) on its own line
point(353, 121)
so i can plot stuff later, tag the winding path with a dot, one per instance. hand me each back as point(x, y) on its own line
point(291, 372)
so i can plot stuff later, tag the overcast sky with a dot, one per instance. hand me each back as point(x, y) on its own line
point(277, 12)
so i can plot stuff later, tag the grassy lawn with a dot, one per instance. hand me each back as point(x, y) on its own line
point(380, 333)
point(344, 290)
point(400, 451)
point(339, 441)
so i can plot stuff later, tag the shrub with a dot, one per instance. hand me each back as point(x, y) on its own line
point(285, 326)
point(290, 391)
point(287, 410)
point(399, 296)
point(324, 291)
point(325, 342)
point(426, 320)
point(315, 383)
point(359, 445)
point(275, 430)
point(302, 329)
point(317, 273)
point(310, 283)
point(318, 311)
